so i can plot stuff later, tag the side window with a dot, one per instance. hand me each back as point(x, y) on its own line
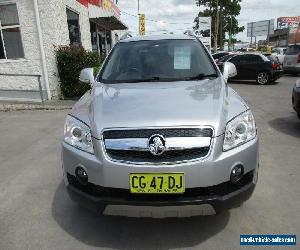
point(251, 58)
point(74, 28)
point(10, 33)
point(246, 58)
point(235, 59)
point(256, 58)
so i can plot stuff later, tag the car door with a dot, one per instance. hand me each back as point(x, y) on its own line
point(250, 66)
point(236, 61)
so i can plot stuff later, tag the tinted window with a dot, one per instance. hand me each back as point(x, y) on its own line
point(219, 55)
point(293, 50)
point(235, 59)
point(251, 58)
point(164, 60)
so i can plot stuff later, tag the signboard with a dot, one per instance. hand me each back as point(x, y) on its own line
point(261, 28)
point(288, 22)
point(142, 25)
point(204, 31)
point(108, 5)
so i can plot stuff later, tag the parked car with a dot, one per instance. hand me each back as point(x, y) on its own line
point(253, 67)
point(278, 53)
point(291, 64)
point(296, 98)
point(156, 141)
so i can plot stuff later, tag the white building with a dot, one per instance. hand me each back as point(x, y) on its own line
point(30, 30)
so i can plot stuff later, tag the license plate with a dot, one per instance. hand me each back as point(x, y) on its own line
point(171, 183)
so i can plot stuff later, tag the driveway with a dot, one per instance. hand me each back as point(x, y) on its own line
point(36, 212)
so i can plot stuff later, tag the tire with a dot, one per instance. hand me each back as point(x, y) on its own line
point(298, 114)
point(263, 78)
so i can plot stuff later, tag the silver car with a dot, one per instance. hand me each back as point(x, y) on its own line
point(291, 63)
point(160, 134)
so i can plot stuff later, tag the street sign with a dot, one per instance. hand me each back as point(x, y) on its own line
point(261, 28)
point(142, 25)
point(204, 31)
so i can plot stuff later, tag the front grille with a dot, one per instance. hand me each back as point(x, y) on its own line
point(201, 192)
point(168, 132)
point(169, 156)
point(137, 155)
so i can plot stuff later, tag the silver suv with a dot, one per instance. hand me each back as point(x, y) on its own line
point(160, 134)
point(291, 63)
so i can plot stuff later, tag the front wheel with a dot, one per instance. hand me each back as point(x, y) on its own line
point(263, 78)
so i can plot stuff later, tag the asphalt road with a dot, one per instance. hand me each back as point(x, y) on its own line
point(36, 213)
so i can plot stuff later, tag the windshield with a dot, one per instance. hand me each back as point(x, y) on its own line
point(160, 60)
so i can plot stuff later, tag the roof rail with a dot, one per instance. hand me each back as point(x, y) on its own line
point(189, 33)
point(126, 35)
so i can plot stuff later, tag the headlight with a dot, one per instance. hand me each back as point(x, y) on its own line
point(239, 131)
point(78, 135)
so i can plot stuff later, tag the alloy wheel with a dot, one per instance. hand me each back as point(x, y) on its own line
point(263, 78)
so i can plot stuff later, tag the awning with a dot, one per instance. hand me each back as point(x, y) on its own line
point(110, 23)
point(106, 18)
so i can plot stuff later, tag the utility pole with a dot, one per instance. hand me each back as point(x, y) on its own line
point(216, 28)
point(230, 36)
point(221, 30)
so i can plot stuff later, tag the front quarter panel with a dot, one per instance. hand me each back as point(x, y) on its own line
point(236, 105)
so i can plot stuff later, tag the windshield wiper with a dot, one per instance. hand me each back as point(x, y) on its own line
point(151, 79)
point(200, 77)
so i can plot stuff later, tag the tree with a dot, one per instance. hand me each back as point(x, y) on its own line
point(223, 14)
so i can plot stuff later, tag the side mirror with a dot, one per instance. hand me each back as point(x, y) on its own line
point(229, 71)
point(87, 75)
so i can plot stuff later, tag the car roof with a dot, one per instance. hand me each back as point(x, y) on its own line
point(157, 38)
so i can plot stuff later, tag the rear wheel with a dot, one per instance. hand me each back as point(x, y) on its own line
point(263, 78)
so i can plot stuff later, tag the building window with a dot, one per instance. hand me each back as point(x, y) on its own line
point(10, 33)
point(74, 28)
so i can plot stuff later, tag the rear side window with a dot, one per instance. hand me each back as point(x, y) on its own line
point(293, 50)
point(251, 58)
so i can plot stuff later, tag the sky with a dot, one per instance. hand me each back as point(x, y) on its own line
point(178, 15)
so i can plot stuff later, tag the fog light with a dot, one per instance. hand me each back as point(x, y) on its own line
point(81, 176)
point(237, 174)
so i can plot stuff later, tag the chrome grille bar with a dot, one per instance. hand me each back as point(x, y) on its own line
point(172, 143)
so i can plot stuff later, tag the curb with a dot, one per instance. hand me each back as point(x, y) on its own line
point(22, 107)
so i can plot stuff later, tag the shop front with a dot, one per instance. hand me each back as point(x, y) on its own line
point(105, 25)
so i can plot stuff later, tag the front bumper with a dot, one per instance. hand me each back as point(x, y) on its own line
point(98, 202)
point(206, 181)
